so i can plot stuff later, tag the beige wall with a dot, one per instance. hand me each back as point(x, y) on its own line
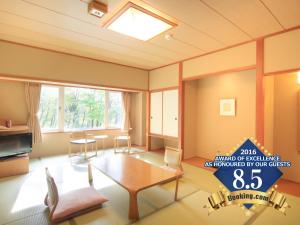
point(269, 113)
point(214, 132)
point(286, 113)
point(46, 65)
point(240, 56)
point(282, 52)
point(12, 105)
point(190, 118)
point(164, 77)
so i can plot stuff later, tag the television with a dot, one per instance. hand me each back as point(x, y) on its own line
point(15, 144)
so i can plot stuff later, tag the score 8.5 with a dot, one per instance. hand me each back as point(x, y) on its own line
point(239, 182)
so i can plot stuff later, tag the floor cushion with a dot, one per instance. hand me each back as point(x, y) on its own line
point(76, 202)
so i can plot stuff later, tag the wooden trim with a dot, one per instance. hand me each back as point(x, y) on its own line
point(164, 89)
point(170, 64)
point(139, 8)
point(162, 112)
point(230, 46)
point(234, 70)
point(280, 32)
point(260, 91)
point(163, 136)
point(298, 124)
point(71, 54)
point(148, 137)
point(12, 77)
point(81, 130)
point(280, 72)
point(181, 111)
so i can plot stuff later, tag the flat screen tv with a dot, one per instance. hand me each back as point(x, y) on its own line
point(15, 144)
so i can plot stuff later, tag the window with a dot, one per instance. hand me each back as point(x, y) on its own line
point(84, 108)
point(48, 113)
point(70, 108)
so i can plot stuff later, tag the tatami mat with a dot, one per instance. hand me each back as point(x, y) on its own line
point(22, 197)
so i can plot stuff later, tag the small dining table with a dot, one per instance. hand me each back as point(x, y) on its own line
point(135, 175)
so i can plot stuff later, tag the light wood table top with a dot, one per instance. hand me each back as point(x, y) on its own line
point(134, 175)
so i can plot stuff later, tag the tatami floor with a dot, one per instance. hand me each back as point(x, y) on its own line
point(21, 198)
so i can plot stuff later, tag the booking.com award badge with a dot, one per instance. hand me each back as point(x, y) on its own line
point(249, 176)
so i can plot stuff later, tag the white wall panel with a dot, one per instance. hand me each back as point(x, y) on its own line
point(240, 56)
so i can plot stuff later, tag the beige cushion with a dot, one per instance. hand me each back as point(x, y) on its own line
point(74, 202)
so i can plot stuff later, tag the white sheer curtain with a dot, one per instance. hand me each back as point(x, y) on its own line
point(33, 93)
point(126, 111)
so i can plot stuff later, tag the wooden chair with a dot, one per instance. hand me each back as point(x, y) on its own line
point(101, 138)
point(71, 204)
point(124, 136)
point(83, 140)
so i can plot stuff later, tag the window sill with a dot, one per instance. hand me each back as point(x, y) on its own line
point(79, 130)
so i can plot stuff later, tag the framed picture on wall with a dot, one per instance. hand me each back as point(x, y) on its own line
point(227, 107)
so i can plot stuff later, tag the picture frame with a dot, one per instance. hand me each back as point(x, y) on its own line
point(227, 107)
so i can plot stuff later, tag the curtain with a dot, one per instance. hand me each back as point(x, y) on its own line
point(126, 111)
point(32, 94)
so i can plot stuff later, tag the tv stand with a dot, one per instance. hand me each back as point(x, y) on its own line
point(15, 165)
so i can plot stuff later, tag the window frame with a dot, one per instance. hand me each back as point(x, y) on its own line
point(61, 112)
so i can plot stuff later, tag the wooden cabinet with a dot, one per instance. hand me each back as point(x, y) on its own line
point(164, 113)
point(156, 113)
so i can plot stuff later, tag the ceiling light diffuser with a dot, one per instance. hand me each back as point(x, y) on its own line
point(137, 22)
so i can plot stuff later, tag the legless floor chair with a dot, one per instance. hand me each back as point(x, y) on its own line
point(71, 204)
point(172, 159)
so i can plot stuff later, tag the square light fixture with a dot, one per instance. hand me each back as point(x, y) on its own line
point(137, 22)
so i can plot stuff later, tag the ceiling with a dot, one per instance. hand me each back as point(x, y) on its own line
point(203, 26)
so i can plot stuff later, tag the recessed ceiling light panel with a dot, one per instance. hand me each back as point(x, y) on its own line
point(137, 22)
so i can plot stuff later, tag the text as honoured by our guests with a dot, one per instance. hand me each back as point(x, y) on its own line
point(248, 176)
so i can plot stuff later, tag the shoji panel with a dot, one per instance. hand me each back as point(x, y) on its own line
point(156, 113)
point(170, 113)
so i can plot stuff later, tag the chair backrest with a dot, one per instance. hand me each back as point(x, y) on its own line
point(172, 157)
point(52, 191)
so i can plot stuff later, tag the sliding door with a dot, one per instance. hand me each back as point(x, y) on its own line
point(170, 113)
point(156, 113)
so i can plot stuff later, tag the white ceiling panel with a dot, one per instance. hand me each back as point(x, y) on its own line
point(196, 38)
point(8, 32)
point(286, 11)
point(51, 17)
point(255, 19)
point(199, 16)
point(203, 26)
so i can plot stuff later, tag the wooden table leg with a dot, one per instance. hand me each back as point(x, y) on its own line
point(176, 188)
point(133, 206)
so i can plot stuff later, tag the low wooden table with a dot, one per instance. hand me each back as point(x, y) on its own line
point(134, 175)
